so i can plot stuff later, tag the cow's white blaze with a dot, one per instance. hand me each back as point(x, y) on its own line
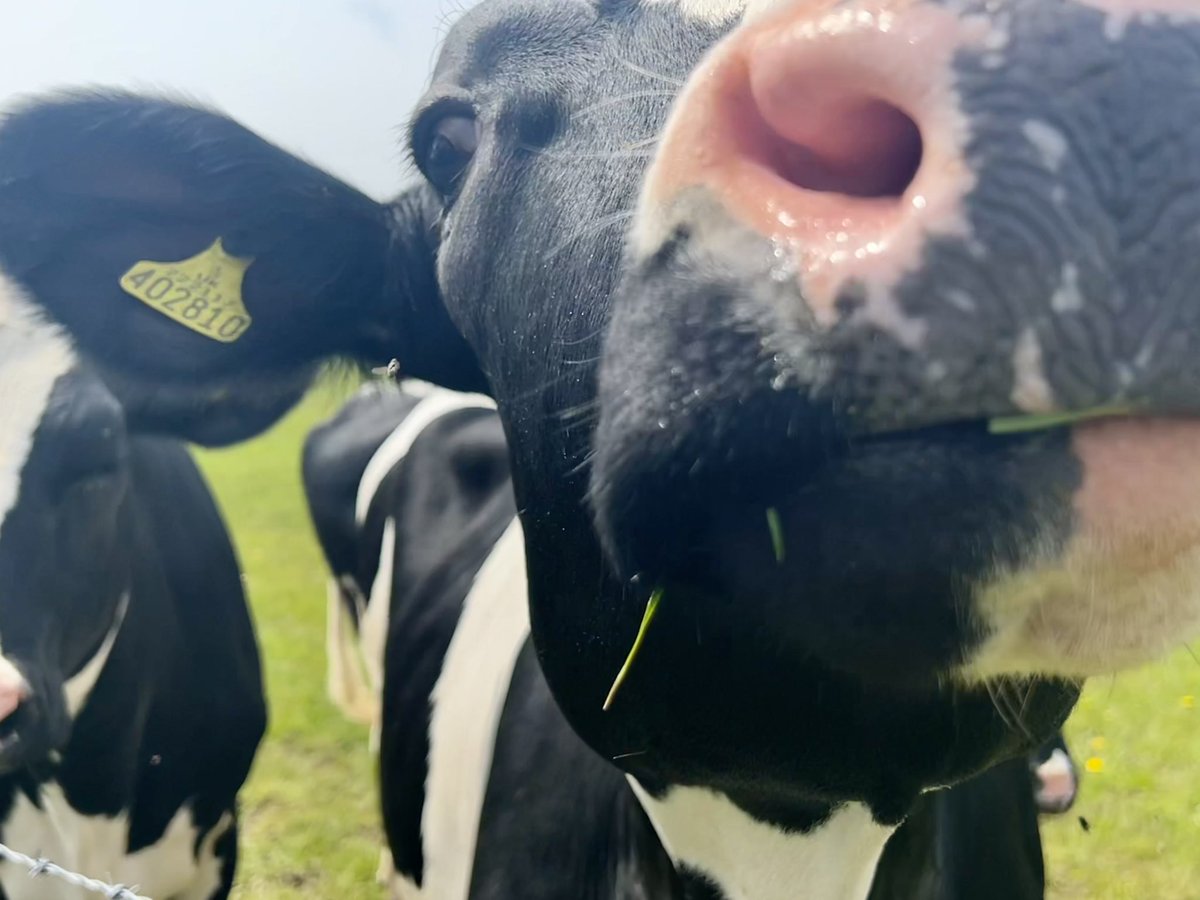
point(466, 705)
point(95, 845)
point(33, 356)
point(751, 860)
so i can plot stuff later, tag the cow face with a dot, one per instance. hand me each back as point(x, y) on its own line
point(912, 227)
point(766, 664)
point(63, 568)
point(788, 439)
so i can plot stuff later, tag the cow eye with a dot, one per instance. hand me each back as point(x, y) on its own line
point(450, 146)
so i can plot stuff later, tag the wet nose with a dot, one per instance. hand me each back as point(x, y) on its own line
point(835, 132)
point(14, 689)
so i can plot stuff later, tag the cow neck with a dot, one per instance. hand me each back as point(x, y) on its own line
point(707, 834)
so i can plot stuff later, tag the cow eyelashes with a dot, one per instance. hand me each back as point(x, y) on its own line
point(447, 150)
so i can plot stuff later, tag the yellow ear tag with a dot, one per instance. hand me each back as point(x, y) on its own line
point(203, 293)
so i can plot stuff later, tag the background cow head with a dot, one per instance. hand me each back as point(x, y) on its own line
point(116, 233)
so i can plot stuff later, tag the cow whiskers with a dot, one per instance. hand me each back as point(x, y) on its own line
point(650, 73)
point(624, 98)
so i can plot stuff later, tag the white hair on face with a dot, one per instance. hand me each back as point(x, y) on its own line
point(720, 12)
point(33, 356)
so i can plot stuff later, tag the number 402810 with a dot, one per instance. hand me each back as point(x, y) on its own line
point(188, 303)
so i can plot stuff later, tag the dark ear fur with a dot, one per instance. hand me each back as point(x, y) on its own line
point(93, 183)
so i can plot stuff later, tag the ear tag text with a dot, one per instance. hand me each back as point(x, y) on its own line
point(203, 293)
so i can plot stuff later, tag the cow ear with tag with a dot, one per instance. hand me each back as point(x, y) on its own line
point(206, 272)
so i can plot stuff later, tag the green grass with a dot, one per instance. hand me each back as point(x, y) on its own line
point(1143, 809)
point(310, 826)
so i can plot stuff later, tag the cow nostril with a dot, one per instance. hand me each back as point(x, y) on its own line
point(823, 130)
point(870, 151)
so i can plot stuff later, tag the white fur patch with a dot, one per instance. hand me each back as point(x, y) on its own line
point(79, 686)
point(1031, 391)
point(95, 845)
point(716, 11)
point(751, 860)
point(1086, 615)
point(1120, 14)
point(1050, 143)
point(466, 706)
point(438, 403)
point(1057, 782)
point(345, 679)
point(355, 673)
point(33, 356)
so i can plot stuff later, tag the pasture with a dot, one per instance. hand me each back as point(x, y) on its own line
point(309, 814)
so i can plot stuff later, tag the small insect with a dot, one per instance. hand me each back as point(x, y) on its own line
point(391, 371)
point(1084, 824)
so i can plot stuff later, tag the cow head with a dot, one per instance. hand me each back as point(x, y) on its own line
point(870, 230)
point(204, 272)
point(64, 532)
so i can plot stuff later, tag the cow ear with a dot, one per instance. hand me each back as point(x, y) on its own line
point(205, 271)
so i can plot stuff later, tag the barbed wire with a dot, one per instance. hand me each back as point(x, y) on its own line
point(39, 868)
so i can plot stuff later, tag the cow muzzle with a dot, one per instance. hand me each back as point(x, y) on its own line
point(882, 247)
point(33, 721)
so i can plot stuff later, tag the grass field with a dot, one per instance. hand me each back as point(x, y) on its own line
point(310, 826)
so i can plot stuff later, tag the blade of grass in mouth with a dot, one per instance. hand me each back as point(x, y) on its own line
point(1044, 422)
point(647, 618)
point(775, 526)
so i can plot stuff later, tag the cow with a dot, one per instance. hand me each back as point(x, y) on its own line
point(843, 355)
point(131, 700)
point(408, 491)
point(407, 484)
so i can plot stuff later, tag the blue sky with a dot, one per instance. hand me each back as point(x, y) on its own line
point(333, 80)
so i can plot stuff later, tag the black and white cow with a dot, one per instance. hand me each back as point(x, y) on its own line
point(131, 702)
point(799, 405)
point(408, 489)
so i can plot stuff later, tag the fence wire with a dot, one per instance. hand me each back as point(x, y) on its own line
point(43, 868)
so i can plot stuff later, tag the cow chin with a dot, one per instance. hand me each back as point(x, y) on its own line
point(210, 412)
point(1123, 591)
point(906, 558)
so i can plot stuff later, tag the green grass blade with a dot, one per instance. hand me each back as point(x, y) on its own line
point(1022, 424)
point(775, 526)
point(651, 612)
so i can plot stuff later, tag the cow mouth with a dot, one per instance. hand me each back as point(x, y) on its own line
point(871, 556)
